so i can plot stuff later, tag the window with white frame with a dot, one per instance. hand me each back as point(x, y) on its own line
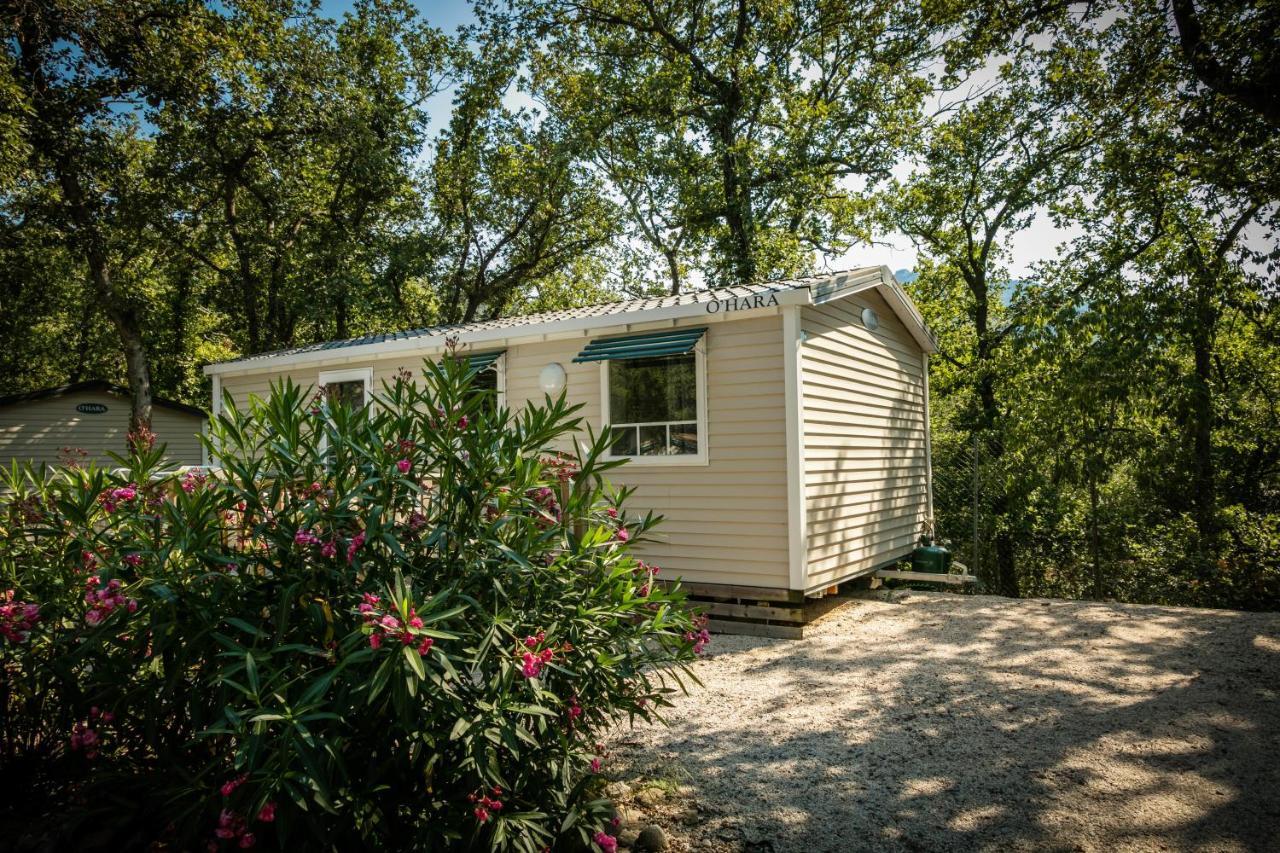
point(351, 387)
point(655, 408)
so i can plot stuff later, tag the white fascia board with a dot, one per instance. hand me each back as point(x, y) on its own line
point(793, 396)
point(907, 311)
point(884, 281)
point(509, 335)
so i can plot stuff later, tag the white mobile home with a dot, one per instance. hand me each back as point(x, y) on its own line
point(781, 428)
point(91, 418)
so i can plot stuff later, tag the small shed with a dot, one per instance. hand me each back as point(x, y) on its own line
point(781, 428)
point(92, 417)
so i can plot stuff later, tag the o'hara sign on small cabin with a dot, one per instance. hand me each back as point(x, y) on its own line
point(92, 408)
point(742, 303)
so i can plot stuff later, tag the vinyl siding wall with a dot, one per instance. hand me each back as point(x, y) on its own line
point(39, 429)
point(724, 522)
point(866, 469)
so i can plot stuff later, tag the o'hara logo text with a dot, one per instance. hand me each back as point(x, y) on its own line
point(743, 303)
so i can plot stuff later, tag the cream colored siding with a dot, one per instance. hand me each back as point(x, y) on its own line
point(866, 477)
point(724, 522)
point(37, 430)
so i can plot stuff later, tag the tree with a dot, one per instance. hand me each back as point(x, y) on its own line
point(296, 154)
point(77, 81)
point(1193, 169)
point(1231, 48)
point(755, 121)
point(985, 173)
point(512, 204)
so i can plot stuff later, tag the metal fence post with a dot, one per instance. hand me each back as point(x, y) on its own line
point(977, 560)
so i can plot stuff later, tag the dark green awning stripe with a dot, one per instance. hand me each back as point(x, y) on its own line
point(484, 360)
point(651, 345)
point(480, 361)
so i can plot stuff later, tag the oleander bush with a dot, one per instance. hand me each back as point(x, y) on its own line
point(397, 627)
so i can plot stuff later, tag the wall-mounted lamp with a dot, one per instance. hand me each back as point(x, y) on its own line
point(870, 319)
point(552, 378)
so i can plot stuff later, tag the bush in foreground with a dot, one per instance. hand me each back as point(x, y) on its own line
point(398, 627)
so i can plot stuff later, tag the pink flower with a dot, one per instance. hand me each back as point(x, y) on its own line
point(329, 549)
point(462, 422)
point(606, 842)
point(612, 512)
point(532, 667)
point(247, 840)
point(403, 466)
point(622, 535)
point(357, 542)
point(425, 646)
point(595, 765)
point(375, 641)
point(17, 618)
point(133, 560)
point(305, 538)
point(229, 786)
point(85, 739)
point(267, 813)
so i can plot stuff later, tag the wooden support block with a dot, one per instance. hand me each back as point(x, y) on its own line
point(747, 611)
point(752, 593)
point(756, 629)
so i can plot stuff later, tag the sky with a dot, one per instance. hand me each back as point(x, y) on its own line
point(1038, 242)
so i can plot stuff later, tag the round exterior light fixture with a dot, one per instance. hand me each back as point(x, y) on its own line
point(870, 318)
point(552, 378)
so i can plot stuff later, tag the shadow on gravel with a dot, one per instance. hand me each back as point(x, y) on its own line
point(963, 723)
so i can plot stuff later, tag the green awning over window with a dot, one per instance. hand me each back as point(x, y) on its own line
point(477, 362)
point(652, 344)
point(484, 360)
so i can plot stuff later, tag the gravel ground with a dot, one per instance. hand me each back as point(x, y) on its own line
point(935, 721)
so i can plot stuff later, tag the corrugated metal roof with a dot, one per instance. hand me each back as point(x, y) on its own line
point(823, 283)
point(97, 386)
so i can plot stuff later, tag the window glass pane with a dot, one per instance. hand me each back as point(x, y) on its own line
point(684, 438)
point(623, 442)
point(644, 390)
point(486, 382)
point(346, 393)
point(653, 440)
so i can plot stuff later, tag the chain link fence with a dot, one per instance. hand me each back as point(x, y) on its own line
point(964, 519)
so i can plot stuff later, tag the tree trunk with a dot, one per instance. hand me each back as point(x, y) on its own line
point(1203, 474)
point(738, 215)
point(673, 270)
point(988, 424)
point(1095, 539)
point(248, 280)
point(126, 322)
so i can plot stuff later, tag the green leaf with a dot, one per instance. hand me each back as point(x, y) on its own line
point(415, 661)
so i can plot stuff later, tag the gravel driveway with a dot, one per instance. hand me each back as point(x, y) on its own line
point(946, 722)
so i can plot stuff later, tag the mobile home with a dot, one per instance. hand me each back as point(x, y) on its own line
point(782, 428)
point(90, 418)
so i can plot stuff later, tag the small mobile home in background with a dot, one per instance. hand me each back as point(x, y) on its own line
point(782, 429)
point(92, 417)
